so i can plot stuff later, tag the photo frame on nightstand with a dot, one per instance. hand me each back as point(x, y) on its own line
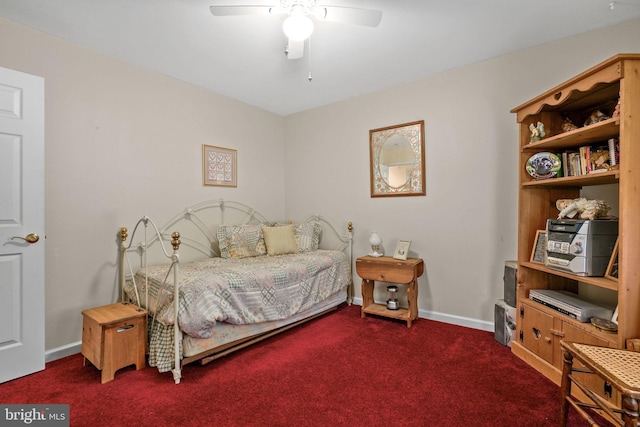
point(402, 250)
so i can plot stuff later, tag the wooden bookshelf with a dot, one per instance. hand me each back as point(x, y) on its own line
point(540, 329)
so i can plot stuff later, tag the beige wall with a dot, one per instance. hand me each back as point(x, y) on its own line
point(465, 227)
point(122, 141)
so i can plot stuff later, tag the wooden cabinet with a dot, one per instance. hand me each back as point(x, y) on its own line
point(540, 329)
point(388, 269)
point(114, 336)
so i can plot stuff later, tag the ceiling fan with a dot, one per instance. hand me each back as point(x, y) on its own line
point(298, 25)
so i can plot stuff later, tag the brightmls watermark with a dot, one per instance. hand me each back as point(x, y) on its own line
point(34, 415)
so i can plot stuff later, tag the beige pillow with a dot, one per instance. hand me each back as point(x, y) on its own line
point(280, 240)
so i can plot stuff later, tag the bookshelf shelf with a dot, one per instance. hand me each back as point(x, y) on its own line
point(595, 281)
point(601, 178)
point(591, 134)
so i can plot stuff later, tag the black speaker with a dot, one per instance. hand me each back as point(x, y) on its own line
point(510, 278)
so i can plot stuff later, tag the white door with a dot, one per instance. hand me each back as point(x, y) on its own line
point(21, 224)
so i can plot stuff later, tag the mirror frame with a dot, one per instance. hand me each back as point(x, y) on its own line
point(415, 186)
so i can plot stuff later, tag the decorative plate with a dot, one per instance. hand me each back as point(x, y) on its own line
point(604, 325)
point(543, 165)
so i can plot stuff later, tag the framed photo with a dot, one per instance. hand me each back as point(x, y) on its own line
point(539, 247)
point(402, 250)
point(612, 269)
point(219, 166)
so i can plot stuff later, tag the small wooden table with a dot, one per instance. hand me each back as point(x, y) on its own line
point(114, 336)
point(391, 270)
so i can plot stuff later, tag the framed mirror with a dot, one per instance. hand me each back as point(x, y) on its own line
point(397, 160)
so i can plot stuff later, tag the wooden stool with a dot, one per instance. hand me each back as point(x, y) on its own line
point(114, 336)
point(619, 368)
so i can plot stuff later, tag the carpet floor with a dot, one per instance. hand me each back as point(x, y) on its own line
point(339, 369)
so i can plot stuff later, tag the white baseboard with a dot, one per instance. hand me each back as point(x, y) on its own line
point(64, 351)
point(482, 325)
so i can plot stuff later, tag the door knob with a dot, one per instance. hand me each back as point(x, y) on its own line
point(31, 238)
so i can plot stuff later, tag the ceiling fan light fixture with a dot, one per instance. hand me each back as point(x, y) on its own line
point(320, 13)
point(277, 10)
point(297, 27)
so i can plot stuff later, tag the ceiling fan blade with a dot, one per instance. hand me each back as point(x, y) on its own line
point(239, 10)
point(295, 49)
point(349, 15)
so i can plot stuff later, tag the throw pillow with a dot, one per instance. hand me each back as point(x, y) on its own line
point(241, 241)
point(280, 240)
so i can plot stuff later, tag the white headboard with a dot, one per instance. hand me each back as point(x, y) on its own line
point(197, 226)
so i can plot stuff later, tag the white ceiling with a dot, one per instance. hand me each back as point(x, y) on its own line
point(243, 56)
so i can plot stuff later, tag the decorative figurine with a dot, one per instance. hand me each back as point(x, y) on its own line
point(595, 117)
point(600, 161)
point(537, 132)
point(568, 125)
point(582, 208)
point(616, 111)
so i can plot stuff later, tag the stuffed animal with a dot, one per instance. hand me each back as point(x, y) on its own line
point(567, 125)
point(596, 117)
point(600, 160)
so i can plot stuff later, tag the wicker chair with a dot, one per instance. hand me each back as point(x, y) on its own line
point(619, 368)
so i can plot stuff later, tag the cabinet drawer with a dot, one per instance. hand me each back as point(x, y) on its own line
point(393, 273)
point(536, 332)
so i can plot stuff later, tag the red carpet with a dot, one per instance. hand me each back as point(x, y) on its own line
point(336, 370)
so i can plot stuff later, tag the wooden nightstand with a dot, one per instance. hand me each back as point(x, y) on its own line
point(114, 336)
point(391, 270)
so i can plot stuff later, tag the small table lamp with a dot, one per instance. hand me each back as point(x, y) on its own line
point(375, 242)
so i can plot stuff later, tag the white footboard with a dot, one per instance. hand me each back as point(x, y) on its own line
point(174, 266)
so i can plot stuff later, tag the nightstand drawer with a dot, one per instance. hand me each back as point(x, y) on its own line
point(387, 269)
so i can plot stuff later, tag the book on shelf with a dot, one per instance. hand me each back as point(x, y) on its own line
point(613, 144)
point(585, 153)
point(573, 159)
point(591, 159)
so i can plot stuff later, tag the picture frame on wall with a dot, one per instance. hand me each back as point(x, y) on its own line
point(219, 166)
point(402, 250)
point(539, 247)
point(397, 160)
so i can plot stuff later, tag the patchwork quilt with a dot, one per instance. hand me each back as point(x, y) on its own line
point(238, 291)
